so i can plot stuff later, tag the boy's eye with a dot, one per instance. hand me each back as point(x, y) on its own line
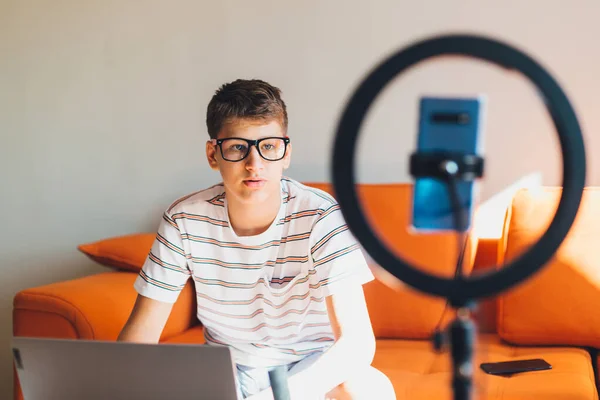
point(238, 147)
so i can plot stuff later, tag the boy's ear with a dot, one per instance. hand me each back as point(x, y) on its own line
point(288, 157)
point(211, 154)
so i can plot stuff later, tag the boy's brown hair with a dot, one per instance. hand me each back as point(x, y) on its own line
point(252, 99)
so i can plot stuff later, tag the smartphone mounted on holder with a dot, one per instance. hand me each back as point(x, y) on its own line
point(449, 125)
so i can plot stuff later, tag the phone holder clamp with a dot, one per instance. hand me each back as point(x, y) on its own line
point(441, 164)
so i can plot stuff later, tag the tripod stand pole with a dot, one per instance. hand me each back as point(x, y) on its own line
point(461, 334)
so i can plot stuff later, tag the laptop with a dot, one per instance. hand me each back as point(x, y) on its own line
point(53, 369)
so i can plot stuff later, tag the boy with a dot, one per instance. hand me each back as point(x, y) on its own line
point(278, 275)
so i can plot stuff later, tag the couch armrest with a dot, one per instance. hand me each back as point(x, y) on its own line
point(93, 307)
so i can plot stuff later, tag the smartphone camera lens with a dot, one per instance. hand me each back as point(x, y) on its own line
point(450, 118)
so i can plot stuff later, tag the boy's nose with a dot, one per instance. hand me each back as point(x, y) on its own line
point(254, 159)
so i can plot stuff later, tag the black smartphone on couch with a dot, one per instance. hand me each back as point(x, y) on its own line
point(516, 366)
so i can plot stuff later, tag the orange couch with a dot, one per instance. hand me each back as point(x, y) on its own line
point(554, 315)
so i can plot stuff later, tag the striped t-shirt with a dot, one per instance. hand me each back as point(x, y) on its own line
point(263, 295)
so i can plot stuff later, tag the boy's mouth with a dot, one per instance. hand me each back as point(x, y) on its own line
point(254, 183)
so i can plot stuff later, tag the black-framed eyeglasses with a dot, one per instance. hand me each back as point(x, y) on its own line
point(236, 149)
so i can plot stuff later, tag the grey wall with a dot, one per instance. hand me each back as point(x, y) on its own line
point(102, 105)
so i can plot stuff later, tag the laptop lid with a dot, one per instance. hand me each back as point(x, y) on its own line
point(53, 369)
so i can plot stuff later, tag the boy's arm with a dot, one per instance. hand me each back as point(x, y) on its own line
point(159, 282)
point(146, 321)
point(353, 350)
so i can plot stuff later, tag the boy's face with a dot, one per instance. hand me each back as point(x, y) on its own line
point(253, 179)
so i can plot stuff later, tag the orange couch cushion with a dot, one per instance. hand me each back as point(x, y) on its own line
point(194, 335)
point(559, 304)
point(485, 259)
point(127, 252)
point(419, 373)
point(397, 310)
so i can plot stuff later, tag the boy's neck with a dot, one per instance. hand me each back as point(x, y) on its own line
point(251, 220)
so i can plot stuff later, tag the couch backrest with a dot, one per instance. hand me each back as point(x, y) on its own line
point(398, 310)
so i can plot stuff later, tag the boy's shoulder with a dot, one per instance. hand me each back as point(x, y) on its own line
point(205, 199)
point(302, 197)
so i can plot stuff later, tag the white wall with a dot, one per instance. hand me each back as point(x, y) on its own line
point(102, 104)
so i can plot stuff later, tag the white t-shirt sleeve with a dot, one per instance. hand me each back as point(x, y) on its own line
point(165, 271)
point(336, 255)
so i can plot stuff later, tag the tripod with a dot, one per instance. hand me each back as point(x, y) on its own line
point(451, 168)
point(461, 333)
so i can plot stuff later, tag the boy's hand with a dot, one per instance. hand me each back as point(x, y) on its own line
point(338, 393)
